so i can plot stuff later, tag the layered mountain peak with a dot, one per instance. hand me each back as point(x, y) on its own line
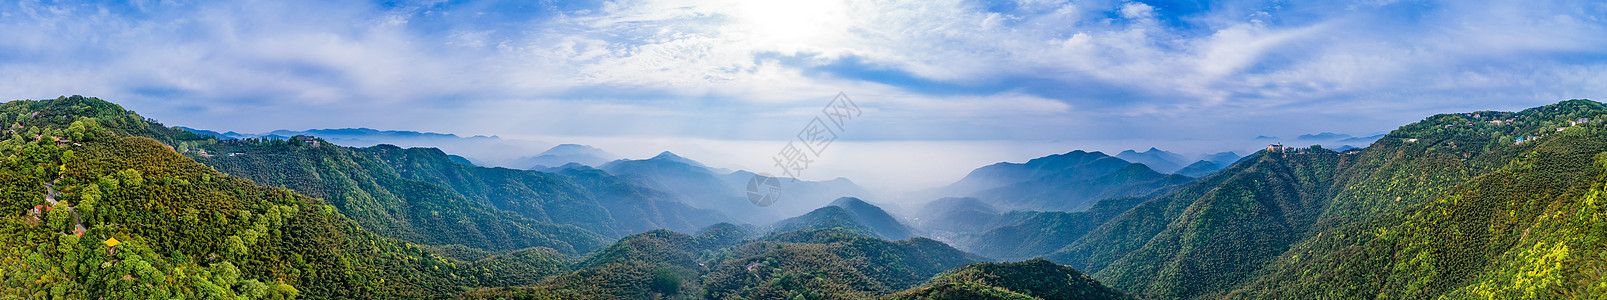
point(851, 213)
point(851, 202)
point(573, 149)
point(564, 154)
point(671, 157)
point(1160, 160)
point(1062, 182)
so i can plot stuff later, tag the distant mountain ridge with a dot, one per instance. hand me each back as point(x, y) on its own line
point(1157, 159)
point(1062, 182)
point(726, 191)
point(564, 154)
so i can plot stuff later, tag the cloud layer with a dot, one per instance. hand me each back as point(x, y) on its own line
point(1142, 71)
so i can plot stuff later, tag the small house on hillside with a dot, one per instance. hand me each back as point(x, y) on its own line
point(308, 140)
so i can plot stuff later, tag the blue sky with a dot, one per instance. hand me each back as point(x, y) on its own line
point(1127, 74)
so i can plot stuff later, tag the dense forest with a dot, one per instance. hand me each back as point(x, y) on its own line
point(124, 216)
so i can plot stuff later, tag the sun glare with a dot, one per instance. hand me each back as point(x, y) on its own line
point(790, 24)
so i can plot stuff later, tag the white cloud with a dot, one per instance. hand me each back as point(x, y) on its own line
point(692, 68)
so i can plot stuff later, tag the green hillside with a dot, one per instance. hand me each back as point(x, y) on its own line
point(1071, 181)
point(375, 193)
point(1029, 234)
point(1453, 205)
point(1032, 279)
point(1481, 205)
point(717, 264)
point(828, 264)
point(1225, 234)
point(850, 214)
point(184, 229)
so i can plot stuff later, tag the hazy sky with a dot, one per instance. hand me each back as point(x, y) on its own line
point(1077, 74)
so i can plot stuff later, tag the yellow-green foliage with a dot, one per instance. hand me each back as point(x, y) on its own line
point(186, 231)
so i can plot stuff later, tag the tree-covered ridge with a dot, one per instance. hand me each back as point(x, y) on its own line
point(850, 214)
point(1032, 279)
point(384, 180)
point(655, 264)
point(1461, 208)
point(1224, 235)
point(1486, 204)
point(721, 263)
point(156, 224)
point(1028, 234)
point(1071, 181)
point(1133, 228)
point(377, 195)
point(828, 264)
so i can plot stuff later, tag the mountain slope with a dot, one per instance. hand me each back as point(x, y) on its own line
point(1479, 205)
point(1133, 228)
point(1030, 234)
point(947, 217)
point(1075, 192)
point(1063, 182)
point(850, 213)
point(1453, 206)
point(1224, 235)
point(828, 264)
point(183, 230)
point(376, 194)
point(718, 263)
point(1032, 279)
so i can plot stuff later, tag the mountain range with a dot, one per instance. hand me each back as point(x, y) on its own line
point(1063, 182)
point(725, 191)
point(1157, 159)
point(852, 214)
point(107, 203)
point(481, 150)
point(565, 154)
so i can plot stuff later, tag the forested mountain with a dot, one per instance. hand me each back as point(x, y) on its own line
point(1032, 279)
point(375, 192)
point(1027, 234)
point(157, 224)
point(1487, 204)
point(1063, 182)
point(1200, 169)
point(849, 213)
point(1261, 208)
point(393, 189)
point(719, 263)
